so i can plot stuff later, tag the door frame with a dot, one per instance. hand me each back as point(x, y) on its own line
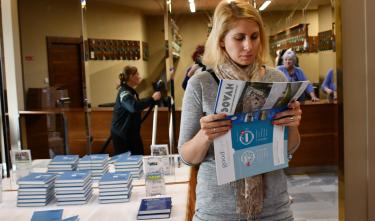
point(68, 40)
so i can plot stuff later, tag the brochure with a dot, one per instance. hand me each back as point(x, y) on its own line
point(254, 145)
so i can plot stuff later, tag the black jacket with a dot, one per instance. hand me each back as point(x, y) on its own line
point(126, 118)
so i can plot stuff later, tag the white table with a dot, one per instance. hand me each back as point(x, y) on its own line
point(176, 187)
point(94, 211)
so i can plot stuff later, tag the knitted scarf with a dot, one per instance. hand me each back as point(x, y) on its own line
point(249, 191)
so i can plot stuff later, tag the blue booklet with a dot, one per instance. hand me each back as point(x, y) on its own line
point(114, 158)
point(47, 215)
point(37, 178)
point(130, 160)
point(115, 178)
point(155, 205)
point(94, 158)
point(254, 145)
point(73, 218)
point(154, 216)
point(65, 159)
point(73, 177)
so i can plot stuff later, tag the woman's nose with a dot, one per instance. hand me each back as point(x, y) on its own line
point(247, 44)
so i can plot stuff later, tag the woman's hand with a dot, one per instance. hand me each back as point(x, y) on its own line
point(214, 125)
point(156, 96)
point(291, 117)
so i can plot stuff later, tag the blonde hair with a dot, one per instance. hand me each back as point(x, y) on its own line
point(226, 14)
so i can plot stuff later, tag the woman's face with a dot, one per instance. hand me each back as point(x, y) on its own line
point(288, 63)
point(242, 42)
point(134, 79)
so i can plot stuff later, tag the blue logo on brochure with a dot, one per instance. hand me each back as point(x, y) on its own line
point(247, 158)
point(246, 137)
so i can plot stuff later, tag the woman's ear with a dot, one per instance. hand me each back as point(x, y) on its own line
point(222, 44)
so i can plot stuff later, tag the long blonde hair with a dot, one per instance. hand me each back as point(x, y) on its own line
point(226, 14)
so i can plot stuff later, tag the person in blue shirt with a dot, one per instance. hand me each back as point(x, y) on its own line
point(294, 73)
point(329, 86)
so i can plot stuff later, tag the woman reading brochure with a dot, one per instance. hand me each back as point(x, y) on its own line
point(236, 49)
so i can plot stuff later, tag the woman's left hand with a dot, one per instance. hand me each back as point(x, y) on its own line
point(290, 117)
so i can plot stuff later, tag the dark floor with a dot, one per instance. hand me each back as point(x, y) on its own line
point(315, 196)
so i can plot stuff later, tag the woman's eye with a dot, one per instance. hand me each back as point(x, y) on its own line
point(254, 36)
point(239, 37)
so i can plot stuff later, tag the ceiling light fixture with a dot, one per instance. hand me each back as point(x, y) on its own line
point(192, 6)
point(264, 5)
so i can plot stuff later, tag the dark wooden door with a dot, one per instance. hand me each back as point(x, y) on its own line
point(65, 67)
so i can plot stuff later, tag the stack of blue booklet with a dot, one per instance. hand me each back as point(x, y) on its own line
point(62, 163)
point(35, 189)
point(132, 164)
point(115, 187)
point(115, 157)
point(155, 208)
point(96, 163)
point(73, 188)
point(51, 215)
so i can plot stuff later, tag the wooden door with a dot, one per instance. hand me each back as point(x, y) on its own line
point(65, 67)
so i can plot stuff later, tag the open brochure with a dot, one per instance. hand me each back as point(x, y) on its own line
point(254, 145)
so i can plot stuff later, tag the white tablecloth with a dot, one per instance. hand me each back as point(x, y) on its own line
point(94, 211)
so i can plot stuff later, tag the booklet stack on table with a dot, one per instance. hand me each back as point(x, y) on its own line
point(35, 189)
point(73, 188)
point(62, 163)
point(96, 163)
point(115, 187)
point(155, 208)
point(132, 164)
point(254, 145)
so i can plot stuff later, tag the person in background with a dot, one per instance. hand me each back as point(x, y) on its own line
point(294, 73)
point(197, 57)
point(279, 57)
point(126, 118)
point(328, 86)
point(236, 49)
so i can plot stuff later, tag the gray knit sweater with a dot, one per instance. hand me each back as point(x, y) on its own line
point(215, 202)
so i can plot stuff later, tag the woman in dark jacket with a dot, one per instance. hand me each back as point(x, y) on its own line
point(126, 119)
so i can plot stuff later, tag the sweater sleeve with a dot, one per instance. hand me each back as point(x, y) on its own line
point(132, 105)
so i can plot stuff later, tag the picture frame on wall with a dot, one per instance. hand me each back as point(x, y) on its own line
point(145, 51)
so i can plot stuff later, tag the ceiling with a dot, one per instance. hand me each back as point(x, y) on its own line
point(181, 6)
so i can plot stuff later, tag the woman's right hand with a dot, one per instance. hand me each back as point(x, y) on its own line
point(156, 96)
point(214, 125)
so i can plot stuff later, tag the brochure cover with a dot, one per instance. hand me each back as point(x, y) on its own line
point(94, 158)
point(115, 178)
point(73, 177)
point(73, 218)
point(129, 160)
point(65, 159)
point(37, 178)
point(155, 205)
point(47, 215)
point(254, 145)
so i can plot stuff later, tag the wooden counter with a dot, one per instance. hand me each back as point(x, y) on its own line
point(100, 124)
point(319, 135)
point(319, 141)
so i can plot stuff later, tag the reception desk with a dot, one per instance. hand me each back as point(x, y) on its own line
point(319, 132)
